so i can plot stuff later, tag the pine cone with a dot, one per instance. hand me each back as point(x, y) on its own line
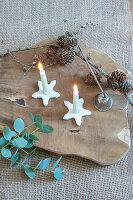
point(52, 51)
point(60, 40)
point(91, 80)
point(112, 84)
point(119, 82)
point(39, 58)
point(68, 41)
point(125, 87)
point(118, 76)
point(67, 56)
point(63, 41)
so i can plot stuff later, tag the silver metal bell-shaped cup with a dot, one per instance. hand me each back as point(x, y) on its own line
point(103, 102)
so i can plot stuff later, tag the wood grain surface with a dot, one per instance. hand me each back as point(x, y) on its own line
point(103, 137)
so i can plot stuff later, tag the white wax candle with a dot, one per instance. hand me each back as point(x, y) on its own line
point(75, 100)
point(43, 79)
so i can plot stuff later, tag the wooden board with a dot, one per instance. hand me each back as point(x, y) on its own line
point(103, 137)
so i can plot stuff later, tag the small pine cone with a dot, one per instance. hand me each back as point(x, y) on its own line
point(39, 58)
point(67, 56)
point(91, 80)
point(112, 84)
point(60, 40)
point(67, 41)
point(125, 87)
point(52, 51)
point(118, 76)
point(63, 41)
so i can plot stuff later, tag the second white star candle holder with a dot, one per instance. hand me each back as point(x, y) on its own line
point(46, 90)
point(76, 109)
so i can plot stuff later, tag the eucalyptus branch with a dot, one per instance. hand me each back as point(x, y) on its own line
point(47, 170)
point(21, 140)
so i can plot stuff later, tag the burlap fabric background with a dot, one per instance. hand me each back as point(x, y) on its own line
point(24, 23)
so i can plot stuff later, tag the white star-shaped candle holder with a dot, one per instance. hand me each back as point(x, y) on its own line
point(46, 97)
point(77, 116)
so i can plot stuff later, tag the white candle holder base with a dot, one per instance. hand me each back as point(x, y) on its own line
point(46, 97)
point(77, 116)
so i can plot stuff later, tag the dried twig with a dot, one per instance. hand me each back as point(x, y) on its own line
point(95, 66)
point(107, 76)
point(128, 97)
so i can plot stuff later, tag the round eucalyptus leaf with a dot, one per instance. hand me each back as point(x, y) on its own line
point(34, 137)
point(19, 125)
point(56, 163)
point(38, 125)
point(29, 144)
point(8, 133)
point(13, 133)
point(46, 129)
point(38, 120)
point(38, 165)
point(29, 171)
point(15, 160)
point(19, 142)
point(44, 164)
point(31, 116)
point(3, 142)
point(6, 153)
point(58, 173)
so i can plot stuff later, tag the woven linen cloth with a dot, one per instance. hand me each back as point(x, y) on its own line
point(24, 23)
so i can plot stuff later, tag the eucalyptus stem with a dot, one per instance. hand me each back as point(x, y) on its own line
point(29, 125)
point(35, 130)
point(21, 143)
point(24, 151)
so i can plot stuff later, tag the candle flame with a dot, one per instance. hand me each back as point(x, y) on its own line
point(75, 88)
point(40, 66)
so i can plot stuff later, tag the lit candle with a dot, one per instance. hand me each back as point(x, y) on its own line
point(75, 100)
point(43, 79)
